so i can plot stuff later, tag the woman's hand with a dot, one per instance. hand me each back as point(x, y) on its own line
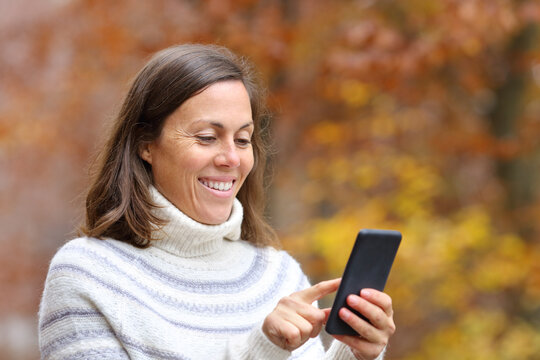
point(295, 319)
point(377, 307)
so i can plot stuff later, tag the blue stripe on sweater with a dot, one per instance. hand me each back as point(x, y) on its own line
point(207, 309)
point(249, 277)
point(64, 341)
point(121, 292)
point(85, 335)
point(67, 313)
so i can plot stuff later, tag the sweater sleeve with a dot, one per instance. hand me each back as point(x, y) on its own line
point(71, 324)
point(339, 350)
point(257, 346)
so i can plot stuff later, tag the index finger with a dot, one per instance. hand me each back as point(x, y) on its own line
point(318, 291)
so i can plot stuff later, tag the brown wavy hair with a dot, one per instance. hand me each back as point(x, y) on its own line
point(118, 203)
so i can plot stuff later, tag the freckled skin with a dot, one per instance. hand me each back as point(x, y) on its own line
point(207, 137)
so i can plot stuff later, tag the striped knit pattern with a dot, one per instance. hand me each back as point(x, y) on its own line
point(197, 293)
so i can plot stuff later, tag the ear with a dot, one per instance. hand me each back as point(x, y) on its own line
point(145, 152)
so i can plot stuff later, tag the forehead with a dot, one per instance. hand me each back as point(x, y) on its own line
point(225, 102)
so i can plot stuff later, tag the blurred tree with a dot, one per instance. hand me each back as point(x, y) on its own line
point(425, 132)
point(420, 116)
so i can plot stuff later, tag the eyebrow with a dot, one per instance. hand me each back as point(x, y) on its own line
point(221, 126)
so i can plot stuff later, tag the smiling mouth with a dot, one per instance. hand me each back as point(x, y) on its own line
point(217, 185)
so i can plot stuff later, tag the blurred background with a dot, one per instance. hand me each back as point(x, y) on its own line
point(421, 116)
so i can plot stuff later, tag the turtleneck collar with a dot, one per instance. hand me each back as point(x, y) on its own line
point(185, 237)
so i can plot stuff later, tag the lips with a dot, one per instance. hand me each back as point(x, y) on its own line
point(217, 185)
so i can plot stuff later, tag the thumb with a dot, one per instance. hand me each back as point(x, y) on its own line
point(326, 314)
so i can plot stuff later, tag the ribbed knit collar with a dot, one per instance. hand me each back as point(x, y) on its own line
point(186, 237)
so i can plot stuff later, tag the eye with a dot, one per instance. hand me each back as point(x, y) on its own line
point(206, 139)
point(243, 142)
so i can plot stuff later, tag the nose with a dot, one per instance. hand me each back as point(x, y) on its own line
point(228, 156)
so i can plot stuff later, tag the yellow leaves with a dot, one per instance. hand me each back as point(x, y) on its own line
point(417, 177)
point(446, 261)
point(466, 251)
point(355, 93)
point(452, 291)
point(494, 272)
point(494, 261)
point(334, 238)
point(383, 126)
point(507, 265)
point(521, 341)
point(471, 232)
point(472, 338)
point(358, 169)
point(442, 265)
point(327, 133)
point(365, 176)
point(339, 168)
point(418, 185)
point(335, 171)
point(532, 283)
point(482, 335)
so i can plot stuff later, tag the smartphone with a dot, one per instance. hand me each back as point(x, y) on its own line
point(368, 267)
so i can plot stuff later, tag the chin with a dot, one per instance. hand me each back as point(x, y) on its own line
point(216, 217)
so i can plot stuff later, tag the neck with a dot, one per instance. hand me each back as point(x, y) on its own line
point(186, 237)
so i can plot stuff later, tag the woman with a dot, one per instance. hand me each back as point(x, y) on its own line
point(178, 261)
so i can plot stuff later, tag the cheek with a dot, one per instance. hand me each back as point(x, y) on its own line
point(249, 162)
point(184, 159)
point(174, 164)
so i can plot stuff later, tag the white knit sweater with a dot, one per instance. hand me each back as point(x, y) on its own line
point(197, 293)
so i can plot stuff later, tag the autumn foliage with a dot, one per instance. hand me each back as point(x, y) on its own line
point(421, 116)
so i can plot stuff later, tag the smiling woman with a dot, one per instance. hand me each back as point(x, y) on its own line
point(167, 88)
point(177, 261)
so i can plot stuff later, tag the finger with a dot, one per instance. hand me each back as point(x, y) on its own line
point(317, 324)
point(377, 317)
point(361, 346)
point(318, 291)
point(326, 314)
point(304, 331)
point(293, 306)
point(297, 312)
point(315, 316)
point(362, 327)
point(379, 298)
point(290, 336)
point(283, 333)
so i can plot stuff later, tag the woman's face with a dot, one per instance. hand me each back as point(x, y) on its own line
point(204, 153)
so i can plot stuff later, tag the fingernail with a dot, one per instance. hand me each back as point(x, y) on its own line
point(365, 292)
point(345, 314)
point(353, 300)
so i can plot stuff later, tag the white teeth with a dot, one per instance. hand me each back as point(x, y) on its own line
point(216, 185)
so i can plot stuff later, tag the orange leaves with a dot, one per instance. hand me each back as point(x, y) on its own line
point(384, 109)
